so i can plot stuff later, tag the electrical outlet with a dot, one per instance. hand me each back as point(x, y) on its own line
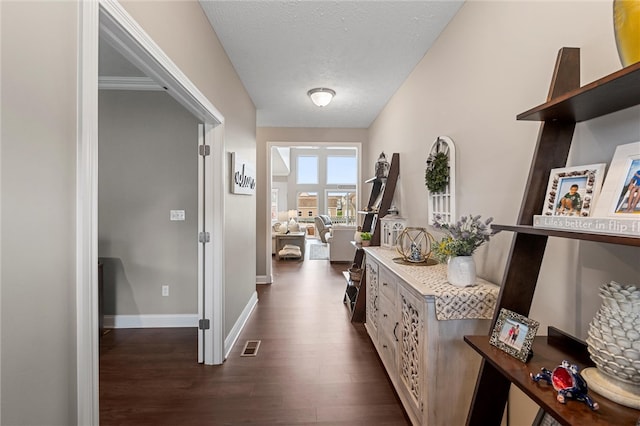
point(165, 290)
point(176, 215)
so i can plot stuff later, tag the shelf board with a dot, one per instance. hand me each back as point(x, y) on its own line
point(609, 94)
point(601, 238)
point(548, 355)
point(367, 212)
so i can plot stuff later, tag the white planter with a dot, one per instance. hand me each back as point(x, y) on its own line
point(461, 271)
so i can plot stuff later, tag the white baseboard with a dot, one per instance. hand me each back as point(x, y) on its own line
point(264, 279)
point(239, 325)
point(151, 321)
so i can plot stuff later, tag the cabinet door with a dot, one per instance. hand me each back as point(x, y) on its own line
point(372, 297)
point(411, 347)
point(388, 323)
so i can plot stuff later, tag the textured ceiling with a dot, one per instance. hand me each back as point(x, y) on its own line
point(363, 50)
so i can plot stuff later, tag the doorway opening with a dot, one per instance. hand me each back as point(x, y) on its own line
point(107, 20)
point(311, 179)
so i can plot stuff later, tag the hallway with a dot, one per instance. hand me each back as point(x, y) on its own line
point(313, 366)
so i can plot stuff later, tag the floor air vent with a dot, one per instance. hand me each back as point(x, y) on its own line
point(251, 348)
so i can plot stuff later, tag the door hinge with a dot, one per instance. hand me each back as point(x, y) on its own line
point(204, 150)
point(203, 324)
point(204, 237)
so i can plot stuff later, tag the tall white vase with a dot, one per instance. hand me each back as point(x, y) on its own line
point(461, 271)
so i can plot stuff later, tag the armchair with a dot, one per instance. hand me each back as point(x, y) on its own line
point(323, 224)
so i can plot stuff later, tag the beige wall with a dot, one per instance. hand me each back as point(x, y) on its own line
point(38, 105)
point(39, 119)
point(493, 61)
point(288, 135)
point(148, 165)
point(183, 32)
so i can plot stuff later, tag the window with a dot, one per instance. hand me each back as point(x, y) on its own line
point(307, 172)
point(341, 206)
point(341, 170)
point(307, 205)
point(274, 204)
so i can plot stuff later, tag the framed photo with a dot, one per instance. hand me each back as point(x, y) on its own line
point(572, 191)
point(514, 333)
point(620, 195)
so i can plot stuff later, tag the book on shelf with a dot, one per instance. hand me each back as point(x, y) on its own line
point(600, 225)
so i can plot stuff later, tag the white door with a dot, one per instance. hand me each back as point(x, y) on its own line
point(204, 245)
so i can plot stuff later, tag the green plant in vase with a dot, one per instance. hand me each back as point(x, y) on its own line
point(456, 248)
point(366, 238)
point(465, 236)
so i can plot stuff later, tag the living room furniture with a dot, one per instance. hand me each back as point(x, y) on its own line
point(416, 321)
point(293, 238)
point(567, 103)
point(379, 203)
point(340, 247)
point(323, 225)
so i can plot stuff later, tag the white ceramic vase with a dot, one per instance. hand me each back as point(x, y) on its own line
point(461, 271)
point(614, 345)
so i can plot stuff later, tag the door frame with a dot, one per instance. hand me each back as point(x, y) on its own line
point(268, 179)
point(109, 19)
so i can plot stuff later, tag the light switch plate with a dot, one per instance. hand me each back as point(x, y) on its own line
point(176, 215)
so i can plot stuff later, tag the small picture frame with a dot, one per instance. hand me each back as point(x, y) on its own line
point(514, 333)
point(572, 191)
point(620, 195)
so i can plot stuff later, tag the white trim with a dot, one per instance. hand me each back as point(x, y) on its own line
point(214, 304)
point(264, 279)
point(123, 33)
point(151, 321)
point(240, 323)
point(87, 351)
point(128, 83)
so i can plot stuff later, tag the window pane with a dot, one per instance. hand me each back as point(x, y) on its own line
point(341, 170)
point(307, 205)
point(341, 207)
point(307, 170)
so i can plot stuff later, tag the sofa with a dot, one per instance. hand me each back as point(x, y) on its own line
point(323, 225)
point(340, 247)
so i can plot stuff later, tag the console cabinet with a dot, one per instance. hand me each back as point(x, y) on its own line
point(430, 366)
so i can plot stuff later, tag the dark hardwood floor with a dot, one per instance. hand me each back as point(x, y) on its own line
point(313, 366)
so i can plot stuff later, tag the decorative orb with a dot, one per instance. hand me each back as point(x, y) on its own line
point(626, 24)
point(414, 244)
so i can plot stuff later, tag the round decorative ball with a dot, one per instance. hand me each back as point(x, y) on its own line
point(414, 244)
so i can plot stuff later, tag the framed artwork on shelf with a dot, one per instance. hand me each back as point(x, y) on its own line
point(514, 333)
point(620, 195)
point(572, 191)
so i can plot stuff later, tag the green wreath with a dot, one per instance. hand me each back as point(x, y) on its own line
point(436, 177)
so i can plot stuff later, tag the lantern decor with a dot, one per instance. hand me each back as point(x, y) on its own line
point(414, 246)
point(382, 167)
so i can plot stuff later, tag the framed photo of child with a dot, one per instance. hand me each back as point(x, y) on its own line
point(514, 333)
point(620, 195)
point(572, 191)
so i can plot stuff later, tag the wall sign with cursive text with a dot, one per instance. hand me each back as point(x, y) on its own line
point(243, 177)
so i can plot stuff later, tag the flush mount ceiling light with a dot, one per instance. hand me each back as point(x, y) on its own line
point(321, 96)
